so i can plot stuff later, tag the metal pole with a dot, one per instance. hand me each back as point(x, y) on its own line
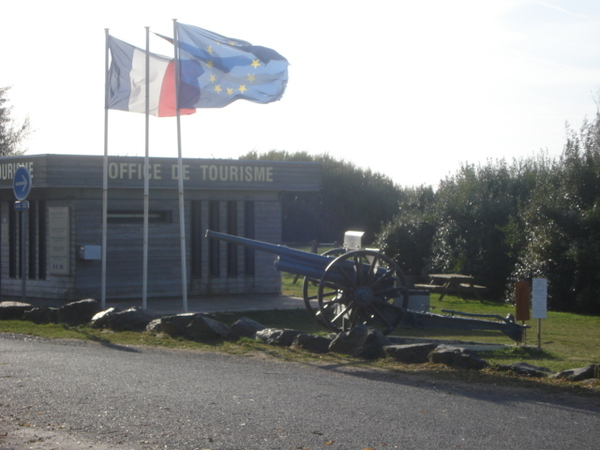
point(180, 177)
point(146, 182)
point(105, 178)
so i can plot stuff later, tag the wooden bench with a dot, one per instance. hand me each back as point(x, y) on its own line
point(473, 287)
point(430, 287)
point(460, 289)
point(466, 288)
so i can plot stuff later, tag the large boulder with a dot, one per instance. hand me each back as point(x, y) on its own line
point(244, 327)
point(580, 374)
point(410, 353)
point(176, 325)
point(155, 326)
point(13, 310)
point(276, 336)
point(100, 319)
point(526, 369)
point(132, 319)
point(457, 357)
point(347, 342)
point(362, 342)
point(78, 313)
point(41, 315)
point(312, 343)
point(205, 328)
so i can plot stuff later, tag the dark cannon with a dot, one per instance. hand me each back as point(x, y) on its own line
point(344, 289)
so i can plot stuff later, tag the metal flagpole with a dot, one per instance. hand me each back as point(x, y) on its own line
point(105, 175)
point(180, 174)
point(146, 182)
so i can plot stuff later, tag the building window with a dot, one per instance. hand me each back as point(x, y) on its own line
point(34, 249)
point(197, 236)
point(232, 249)
point(214, 260)
point(249, 232)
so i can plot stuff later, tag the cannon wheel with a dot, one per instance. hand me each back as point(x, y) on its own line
point(366, 287)
point(310, 284)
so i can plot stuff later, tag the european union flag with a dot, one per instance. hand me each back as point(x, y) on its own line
point(216, 70)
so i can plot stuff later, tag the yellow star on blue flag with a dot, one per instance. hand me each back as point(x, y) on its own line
point(215, 70)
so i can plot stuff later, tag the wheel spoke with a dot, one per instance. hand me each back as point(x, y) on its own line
point(385, 277)
point(364, 284)
point(330, 293)
point(341, 314)
point(382, 318)
point(332, 285)
point(372, 269)
point(354, 318)
point(358, 269)
point(310, 291)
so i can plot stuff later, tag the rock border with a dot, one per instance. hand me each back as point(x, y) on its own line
point(361, 342)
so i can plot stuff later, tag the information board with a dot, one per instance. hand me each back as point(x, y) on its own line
point(539, 298)
point(59, 240)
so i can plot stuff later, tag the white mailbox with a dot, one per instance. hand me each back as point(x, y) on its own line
point(353, 240)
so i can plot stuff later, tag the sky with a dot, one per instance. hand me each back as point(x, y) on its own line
point(408, 89)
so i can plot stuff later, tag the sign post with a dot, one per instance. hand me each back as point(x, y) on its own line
point(21, 188)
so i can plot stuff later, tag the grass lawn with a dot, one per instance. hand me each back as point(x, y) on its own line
point(567, 340)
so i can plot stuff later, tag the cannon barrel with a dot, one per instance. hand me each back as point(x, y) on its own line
point(349, 274)
point(279, 250)
point(289, 260)
point(297, 262)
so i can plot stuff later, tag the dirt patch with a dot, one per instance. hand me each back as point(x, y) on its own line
point(20, 437)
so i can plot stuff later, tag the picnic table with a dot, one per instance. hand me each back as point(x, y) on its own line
point(452, 283)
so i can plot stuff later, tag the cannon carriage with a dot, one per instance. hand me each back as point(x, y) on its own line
point(344, 289)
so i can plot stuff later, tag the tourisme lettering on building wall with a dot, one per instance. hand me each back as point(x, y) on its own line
point(202, 172)
point(8, 169)
point(126, 170)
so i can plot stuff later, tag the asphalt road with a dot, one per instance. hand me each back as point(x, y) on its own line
point(69, 395)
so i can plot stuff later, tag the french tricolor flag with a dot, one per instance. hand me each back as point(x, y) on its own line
point(127, 81)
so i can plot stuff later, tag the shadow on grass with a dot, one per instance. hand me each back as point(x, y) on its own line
point(524, 353)
point(99, 340)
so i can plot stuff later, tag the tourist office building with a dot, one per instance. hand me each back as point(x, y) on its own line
point(60, 235)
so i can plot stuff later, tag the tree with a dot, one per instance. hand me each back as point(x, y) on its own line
point(408, 237)
point(469, 225)
point(351, 199)
point(473, 209)
point(11, 135)
point(562, 226)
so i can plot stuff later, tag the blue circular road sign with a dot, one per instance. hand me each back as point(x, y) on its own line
point(22, 183)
